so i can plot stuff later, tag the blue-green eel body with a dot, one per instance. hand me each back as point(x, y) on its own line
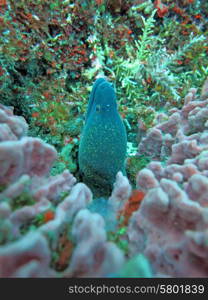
point(103, 144)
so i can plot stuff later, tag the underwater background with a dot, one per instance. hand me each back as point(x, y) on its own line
point(104, 138)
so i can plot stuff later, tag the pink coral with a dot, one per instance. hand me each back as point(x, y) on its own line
point(16, 126)
point(25, 163)
point(53, 186)
point(27, 257)
point(14, 189)
point(27, 156)
point(151, 144)
point(146, 180)
point(171, 226)
point(79, 197)
point(171, 135)
point(160, 227)
point(6, 134)
point(93, 255)
point(121, 192)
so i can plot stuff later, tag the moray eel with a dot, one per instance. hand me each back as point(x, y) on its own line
point(103, 144)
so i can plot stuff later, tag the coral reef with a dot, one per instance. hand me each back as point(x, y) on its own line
point(51, 226)
point(171, 226)
point(56, 222)
point(175, 137)
point(12, 127)
point(27, 257)
point(93, 253)
point(38, 212)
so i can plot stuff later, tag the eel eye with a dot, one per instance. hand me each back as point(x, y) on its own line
point(98, 108)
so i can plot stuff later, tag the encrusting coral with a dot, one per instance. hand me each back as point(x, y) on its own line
point(93, 253)
point(36, 209)
point(27, 257)
point(171, 226)
point(12, 127)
